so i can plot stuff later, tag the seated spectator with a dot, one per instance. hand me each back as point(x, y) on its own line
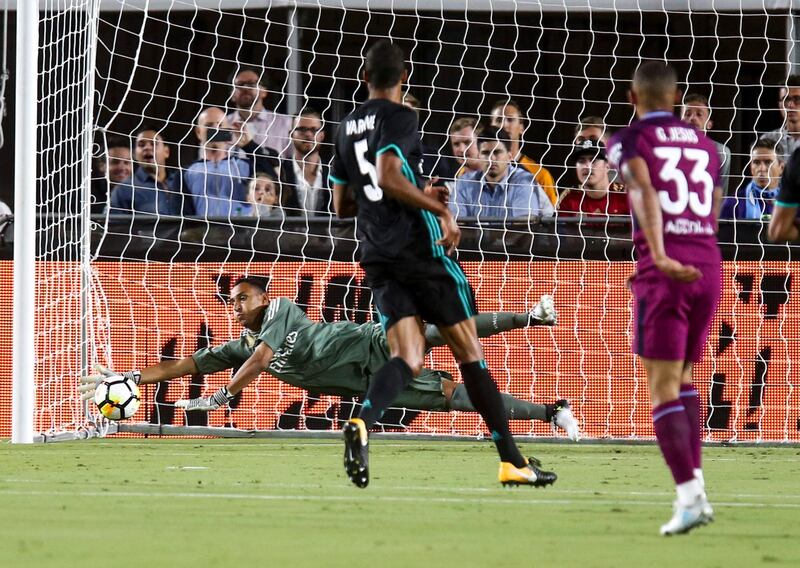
point(113, 167)
point(501, 189)
point(304, 175)
point(261, 159)
point(787, 136)
point(697, 113)
point(591, 128)
point(757, 198)
point(464, 145)
point(434, 165)
point(507, 115)
point(596, 194)
point(263, 194)
point(216, 183)
point(152, 189)
point(267, 128)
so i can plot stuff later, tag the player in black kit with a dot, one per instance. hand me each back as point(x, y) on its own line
point(406, 236)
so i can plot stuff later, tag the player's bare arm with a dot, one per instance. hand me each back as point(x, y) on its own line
point(344, 203)
point(395, 185)
point(646, 207)
point(783, 224)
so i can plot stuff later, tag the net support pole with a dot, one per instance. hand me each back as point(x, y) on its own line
point(24, 356)
point(293, 64)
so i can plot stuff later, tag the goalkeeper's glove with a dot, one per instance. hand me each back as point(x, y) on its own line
point(89, 383)
point(544, 312)
point(206, 403)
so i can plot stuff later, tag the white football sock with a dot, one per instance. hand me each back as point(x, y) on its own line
point(698, 475)
point(689, 491)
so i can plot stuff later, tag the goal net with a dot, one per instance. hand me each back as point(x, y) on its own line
point(125, 286)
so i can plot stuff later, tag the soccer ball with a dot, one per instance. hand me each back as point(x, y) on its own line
point(117, 398)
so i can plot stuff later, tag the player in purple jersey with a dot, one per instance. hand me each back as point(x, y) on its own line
point(671, 171)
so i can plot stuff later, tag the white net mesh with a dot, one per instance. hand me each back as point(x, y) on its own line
point(157, 279)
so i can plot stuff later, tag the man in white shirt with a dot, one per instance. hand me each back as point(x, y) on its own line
point(305, 176)
point(268, 128)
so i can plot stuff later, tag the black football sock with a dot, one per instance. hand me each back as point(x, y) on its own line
point(516, 408)
point(386, 385)
point(484, 395)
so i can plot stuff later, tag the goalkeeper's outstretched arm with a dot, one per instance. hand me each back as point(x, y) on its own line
point(163, 371)
point(247, 373)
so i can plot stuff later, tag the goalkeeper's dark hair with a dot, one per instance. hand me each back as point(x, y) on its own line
point(254, 281)
point(495, 135)
point(384, 65)
point(655, 79)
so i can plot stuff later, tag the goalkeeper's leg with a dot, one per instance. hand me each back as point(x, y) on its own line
point(558, 413)
point(493, 323)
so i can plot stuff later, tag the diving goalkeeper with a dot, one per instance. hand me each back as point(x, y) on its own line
point(336, 359)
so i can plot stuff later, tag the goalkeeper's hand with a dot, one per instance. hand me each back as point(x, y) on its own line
point(88, 384)
point(206, 403)
point(544, 312)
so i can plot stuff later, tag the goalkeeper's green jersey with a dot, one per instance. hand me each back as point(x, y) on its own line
point(324, 358)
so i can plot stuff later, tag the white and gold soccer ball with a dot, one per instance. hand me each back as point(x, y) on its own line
point(117, 398)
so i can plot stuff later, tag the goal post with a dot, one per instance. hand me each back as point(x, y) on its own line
point(95, 286)
point(24, 311)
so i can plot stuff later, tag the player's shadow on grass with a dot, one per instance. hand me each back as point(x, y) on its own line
point(393, 420)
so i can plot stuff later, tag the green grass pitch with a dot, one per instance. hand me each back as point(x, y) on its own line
point(286, 503)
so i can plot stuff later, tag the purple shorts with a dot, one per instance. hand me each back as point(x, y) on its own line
point(671, 319)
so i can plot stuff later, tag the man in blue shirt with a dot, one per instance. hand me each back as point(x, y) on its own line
point(152, 189)
point(757, 199)
point(501, 189)
point(217, 184)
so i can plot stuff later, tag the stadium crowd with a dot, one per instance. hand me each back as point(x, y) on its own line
point(256, 161)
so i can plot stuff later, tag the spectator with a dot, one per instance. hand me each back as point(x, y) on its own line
point(596, 194)
point(787, 136)
point(697, 112)
point(261, 159)
point(502, 189)
point(305, 176)
point(757, 198)
point(152, 189)
point(434, 165)
point(216, 183)
point(464, 145)
point(5, 209)
point(267, 127)
point(113, 167)
point(264, 196)
point(507, 115)
point(591, 128)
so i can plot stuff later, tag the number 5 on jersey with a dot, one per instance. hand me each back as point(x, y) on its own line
point(367, 168)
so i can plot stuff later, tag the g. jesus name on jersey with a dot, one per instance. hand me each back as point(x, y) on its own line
point(684, 170)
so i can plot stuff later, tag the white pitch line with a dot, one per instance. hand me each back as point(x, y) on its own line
point(361, 498)
point(428, 489)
